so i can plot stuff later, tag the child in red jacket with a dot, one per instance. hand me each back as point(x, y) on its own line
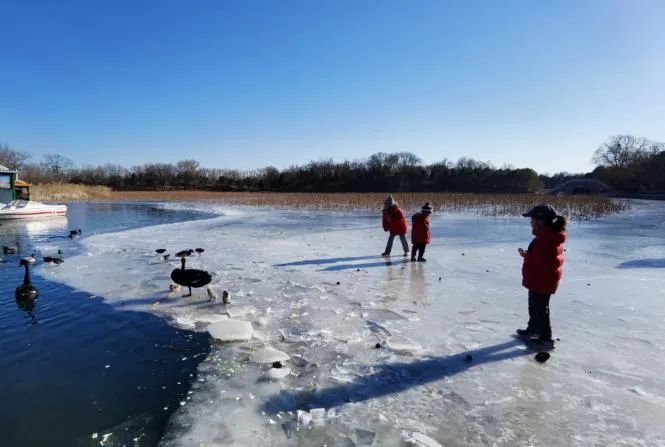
point(394, 222)
point(541, 271)
point(420, 234)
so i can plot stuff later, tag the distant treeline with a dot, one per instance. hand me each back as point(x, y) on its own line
point(626, 163)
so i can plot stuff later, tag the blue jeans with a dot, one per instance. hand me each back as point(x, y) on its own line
point(389, 245)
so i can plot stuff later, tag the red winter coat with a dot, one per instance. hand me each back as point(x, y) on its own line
point(420, 229)
point(541, 271)
point(394, 221)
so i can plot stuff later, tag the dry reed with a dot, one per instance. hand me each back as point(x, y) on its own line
point(575, 207)
point(68, 192)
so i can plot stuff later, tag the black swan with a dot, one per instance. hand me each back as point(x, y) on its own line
point(190, 277)
point(26, 291)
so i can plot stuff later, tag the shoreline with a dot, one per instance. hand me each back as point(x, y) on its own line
point(575, 207)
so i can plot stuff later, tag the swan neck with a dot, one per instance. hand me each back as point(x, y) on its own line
point(26, 276)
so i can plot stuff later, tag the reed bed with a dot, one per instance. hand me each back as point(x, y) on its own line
point(69, 192)
point(575, 207)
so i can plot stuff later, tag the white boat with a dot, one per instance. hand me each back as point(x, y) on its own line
point(28, 209)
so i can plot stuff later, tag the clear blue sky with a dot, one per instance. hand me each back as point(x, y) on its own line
point(244, 84)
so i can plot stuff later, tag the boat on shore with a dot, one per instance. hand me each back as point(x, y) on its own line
point(28, 209)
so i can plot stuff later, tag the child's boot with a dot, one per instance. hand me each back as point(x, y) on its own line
point(543, 343)
point(527, 333)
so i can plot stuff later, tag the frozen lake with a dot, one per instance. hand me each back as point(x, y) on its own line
point(313, 286)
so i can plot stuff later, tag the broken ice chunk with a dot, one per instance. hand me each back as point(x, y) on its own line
point(304, 418)
point(278, 373)
point(364, 437)
point(185, 322)
point(231, 330)
point(295, 335)
point(419, 439)
point(210, 318)
point(318, 414)
point(402, 344)
point(269, 355)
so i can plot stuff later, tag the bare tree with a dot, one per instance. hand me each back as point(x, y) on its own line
point(620, 150)
point(188, 172)
point(408, 160)
point(57, 166)
point(13, 159)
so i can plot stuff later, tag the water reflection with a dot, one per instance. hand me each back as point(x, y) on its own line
point(35, 227)
point(27, 305)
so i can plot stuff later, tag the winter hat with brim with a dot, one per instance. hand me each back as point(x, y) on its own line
point(426, 208)
point(541, 212)
point(389, 202)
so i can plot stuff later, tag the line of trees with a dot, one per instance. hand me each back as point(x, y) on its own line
point(380, 172)
point(627, 163)
point(401, 171)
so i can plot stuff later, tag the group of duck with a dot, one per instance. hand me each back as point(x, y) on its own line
point(190, 278)
point(27, 291)
point(183, 276)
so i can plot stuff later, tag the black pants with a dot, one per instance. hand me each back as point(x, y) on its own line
point(418, 248)
point(539, 314)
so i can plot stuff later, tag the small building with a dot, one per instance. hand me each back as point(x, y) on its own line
point(7, 184)
point(22, 190)
point(583, 186)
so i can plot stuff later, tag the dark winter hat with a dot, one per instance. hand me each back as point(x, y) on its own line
point(541, 212)
point(426, 208)
point(389, 202)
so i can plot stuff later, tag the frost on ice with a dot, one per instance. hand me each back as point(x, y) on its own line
point(327, 342)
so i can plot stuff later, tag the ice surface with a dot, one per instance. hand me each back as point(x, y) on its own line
point(239, 311)
point(603, 385)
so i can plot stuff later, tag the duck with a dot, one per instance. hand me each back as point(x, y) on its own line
point(160, 251)
point(226, 297)
point(74, 233)
point(173, 288)
point(27, 291)
point(212, 295)
point(184, 253)
point(166, 257)
point(190, 277)
point(8, 250)
point(199, 250)
point(53, 260)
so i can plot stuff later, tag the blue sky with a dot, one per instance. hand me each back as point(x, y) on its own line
point(246, 84)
